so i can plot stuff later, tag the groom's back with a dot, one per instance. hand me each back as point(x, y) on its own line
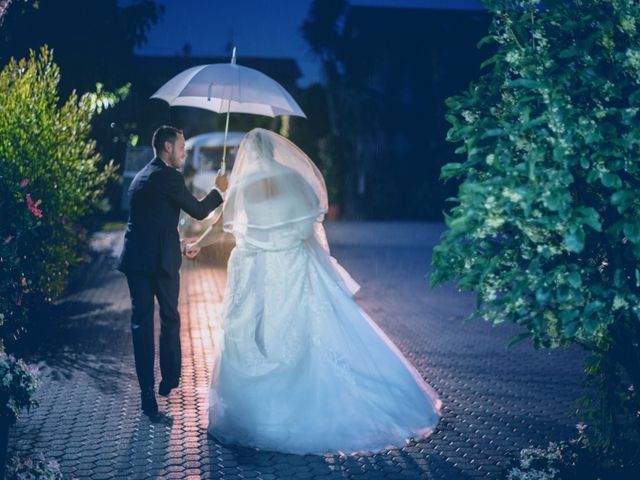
point(145, 197)
point(152, 222)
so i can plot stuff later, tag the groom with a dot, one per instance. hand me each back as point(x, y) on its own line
point(151, 258)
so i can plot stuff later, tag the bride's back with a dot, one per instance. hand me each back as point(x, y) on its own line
point(279, 208)
point(276, 193)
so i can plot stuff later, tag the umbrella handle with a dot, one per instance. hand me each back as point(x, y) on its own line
point(223, 165)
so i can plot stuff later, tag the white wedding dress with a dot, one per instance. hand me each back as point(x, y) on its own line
point(300, 367)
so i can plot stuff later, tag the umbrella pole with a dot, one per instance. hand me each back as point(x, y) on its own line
point(223, 167)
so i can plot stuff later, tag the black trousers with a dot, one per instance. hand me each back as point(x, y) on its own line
point(143, 290)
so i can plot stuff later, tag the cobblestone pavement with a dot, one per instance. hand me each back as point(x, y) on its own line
point(496, 400)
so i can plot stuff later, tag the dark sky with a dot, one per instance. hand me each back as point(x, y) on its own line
point(265, 28)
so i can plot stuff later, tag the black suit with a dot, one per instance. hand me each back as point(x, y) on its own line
point(151, 261)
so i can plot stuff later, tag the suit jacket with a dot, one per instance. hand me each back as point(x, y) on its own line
point(156, 196)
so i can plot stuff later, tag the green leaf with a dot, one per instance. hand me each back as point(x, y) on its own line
point(524, 82)
point(615, 229)
point(592, 308)
point(593, 137)
point(611, 180)
point(487, 39)
point(460, 150)
point(457, 223)
point(590, 324)
point(574, 239)
point(542, 296)
point(493, 132)
point(575, 279)
point(534, 123)
point(570, 323)
point(490, 61)
point(621, 197)
point(572, 51)
point(555, 200)
point(631, 230)
point(589, 216)
point(454, 103)
point(452, 119)
point(450, 170)
point(518, 338)
point(571, 328)
point(558, 154)
point(619, 278)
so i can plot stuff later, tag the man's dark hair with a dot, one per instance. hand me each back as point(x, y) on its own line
point(163, 134)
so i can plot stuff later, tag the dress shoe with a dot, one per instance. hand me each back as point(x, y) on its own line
point(149, 404)
point(165, 388)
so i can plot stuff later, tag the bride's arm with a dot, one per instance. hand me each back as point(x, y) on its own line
point(204, 240)
point(208, 237)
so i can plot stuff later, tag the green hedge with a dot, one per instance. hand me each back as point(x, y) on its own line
point(546, 224)
point(50, 178)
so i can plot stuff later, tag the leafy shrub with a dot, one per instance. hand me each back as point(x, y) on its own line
point(546, 224)
point(26, 468)
point(50, 178)
point(566, 460)
point(18, 382)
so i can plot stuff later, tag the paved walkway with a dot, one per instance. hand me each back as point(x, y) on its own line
point(496, 400)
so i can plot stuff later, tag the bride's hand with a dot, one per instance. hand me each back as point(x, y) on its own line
point(190, 250)
point(188, 247)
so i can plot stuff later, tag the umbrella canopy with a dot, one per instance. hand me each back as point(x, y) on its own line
point(228, 87)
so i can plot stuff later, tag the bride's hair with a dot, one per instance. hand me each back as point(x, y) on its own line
point(262, 142)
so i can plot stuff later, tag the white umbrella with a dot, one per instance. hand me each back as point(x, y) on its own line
point(228, 87)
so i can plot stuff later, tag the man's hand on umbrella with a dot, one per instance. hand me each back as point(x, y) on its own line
point(222, 181)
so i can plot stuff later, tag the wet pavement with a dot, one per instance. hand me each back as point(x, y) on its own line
point(496, 400)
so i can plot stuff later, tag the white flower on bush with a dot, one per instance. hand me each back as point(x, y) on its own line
point(528, 3)
point(19, 382)
point(540, 39)
point(494, 222)
point(628, 25)
point(513, 57)
point(517, 474)
point(633, 61)
point(512, 195)
point(546, 461)
point(40, 468)
point(469, 116)
point(619, 302)
point(490, 295)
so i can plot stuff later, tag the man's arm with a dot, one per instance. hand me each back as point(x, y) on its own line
point(179, 194)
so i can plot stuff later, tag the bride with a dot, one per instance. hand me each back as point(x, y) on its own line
point(300, 368)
